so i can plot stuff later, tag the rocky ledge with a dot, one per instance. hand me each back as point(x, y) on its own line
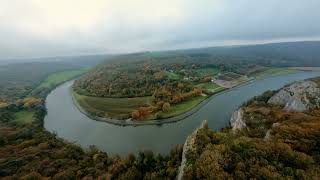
point(298, 97)
point(189, 147)
point(236, 120)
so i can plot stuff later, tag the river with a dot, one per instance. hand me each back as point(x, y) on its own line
point(69, 123)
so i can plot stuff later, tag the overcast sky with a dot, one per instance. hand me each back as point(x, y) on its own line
point(37, 28)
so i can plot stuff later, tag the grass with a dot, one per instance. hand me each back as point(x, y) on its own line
point(211, 87)
point(172, 75)
point(24, 117)
point(119, 108)
point(208, 71)
point(229, 76)
point(181, 107)
point(273, 72)
point(59, 77)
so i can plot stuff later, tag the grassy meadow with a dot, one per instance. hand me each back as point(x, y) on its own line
point(208, 71)
point(210, 87)
point(273, 72)
point(24, 117)
point(112, 107)
point(57, 78)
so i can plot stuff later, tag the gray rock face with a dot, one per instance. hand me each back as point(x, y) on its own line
point(298, 97)
point(236, 120)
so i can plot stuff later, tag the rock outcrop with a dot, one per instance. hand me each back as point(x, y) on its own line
point(236, 120)
point(189, 147)
point(298, 97)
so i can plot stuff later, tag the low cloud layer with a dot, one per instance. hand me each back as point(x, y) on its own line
point(35, 28)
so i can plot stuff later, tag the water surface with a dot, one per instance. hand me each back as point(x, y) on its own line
point(69, 123)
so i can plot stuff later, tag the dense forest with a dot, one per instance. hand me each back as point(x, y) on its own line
point(283, 54)
point(143, 74)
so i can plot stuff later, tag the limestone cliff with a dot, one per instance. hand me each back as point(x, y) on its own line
point(236, 121)
point(298, 97)
point(189, 147)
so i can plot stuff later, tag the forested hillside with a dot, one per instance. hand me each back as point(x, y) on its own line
point(266, 140)
point(275, 54)
point(182, 76)
point(172, 84)
point(141, 74)
point(17, 80)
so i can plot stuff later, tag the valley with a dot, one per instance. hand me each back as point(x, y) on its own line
point(44, 135)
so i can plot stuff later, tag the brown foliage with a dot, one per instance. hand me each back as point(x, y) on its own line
point(166, 107)
point(135, 114)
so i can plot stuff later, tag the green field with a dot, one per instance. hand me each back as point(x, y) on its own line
point(172, 75)
point(208, 71)
point(229, 76)
point(119, 108)
point(59, 77)
point(181, 107)
point(211, 87)
point(273, 72)
point(24, 117)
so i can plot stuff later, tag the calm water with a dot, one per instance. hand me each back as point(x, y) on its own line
point(69, 123)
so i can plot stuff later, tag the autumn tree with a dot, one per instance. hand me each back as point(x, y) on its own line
point(166, 107)
point(135, 114)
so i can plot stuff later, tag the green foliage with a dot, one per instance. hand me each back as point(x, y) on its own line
point(136, 75)
point(18, 80)
point(210, 87)
point(172, 75)
point(55, 79)
point(208, 71)
point(24, 117)
point(272, 72)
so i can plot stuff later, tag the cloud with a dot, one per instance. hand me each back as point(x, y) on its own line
point(33, 28)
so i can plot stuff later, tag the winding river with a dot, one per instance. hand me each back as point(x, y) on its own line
point(69, 123)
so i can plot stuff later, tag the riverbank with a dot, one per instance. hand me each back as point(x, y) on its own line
point(64, 119)
point(129, 122)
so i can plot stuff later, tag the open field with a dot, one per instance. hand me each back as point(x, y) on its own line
point(181, 107)
point(305, 68)
point(230, 79)
point(119, 108)
point(24, 117)
point(208, 71)
point(229, 76)
point(273, 72)
point(59, 77)
point(172, 75)
point(211, 87)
